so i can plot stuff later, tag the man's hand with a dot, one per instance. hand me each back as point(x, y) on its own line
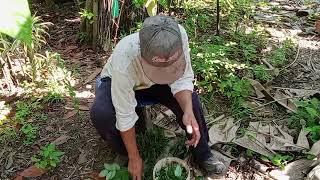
point(192, 128)
point(135, 167)
point(135, 164)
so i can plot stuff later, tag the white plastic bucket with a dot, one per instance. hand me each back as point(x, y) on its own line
point(168, 160)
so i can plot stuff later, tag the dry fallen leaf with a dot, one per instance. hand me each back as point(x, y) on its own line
point(82, 157)
point(317, 25)
point(95, 176)
point(84, 108)
point(70, 114)
point(223, 132)
point(31, 171)
point(285, 101)
point(260, 90)
point(10, 160)
point(315, 149)
point(303, 140)
point(60, 140)
point(93, 75)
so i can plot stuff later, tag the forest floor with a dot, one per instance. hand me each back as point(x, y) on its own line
point(74, 134)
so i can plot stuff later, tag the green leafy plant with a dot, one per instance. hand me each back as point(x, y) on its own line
point(114, 172)
point(235, 88)
point(48, 158)
point(307, 116)
point(53, 97)
point(281, 55)
point(83, 37)
point(149, 150)
point(278, 160)
point(86, 14)
point(261, 73)
point(16, 20)
point(30, 132)
point(172, 171)
point(25, 109)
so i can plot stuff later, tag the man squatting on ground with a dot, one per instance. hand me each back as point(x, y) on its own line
point(151, 65)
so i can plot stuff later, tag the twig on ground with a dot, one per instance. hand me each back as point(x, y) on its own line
point(267, 64)
point(216, 119)
point(294, 61)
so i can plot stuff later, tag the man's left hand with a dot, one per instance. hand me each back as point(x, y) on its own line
point(192, 128)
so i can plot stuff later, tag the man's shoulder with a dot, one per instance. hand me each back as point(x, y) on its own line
point(127, 49)
point(129, 41)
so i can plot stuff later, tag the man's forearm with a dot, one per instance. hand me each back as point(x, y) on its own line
point(129, 140)
point(184, 99)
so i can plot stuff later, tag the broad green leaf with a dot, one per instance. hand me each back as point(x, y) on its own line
point(151, 6)
point(53, 163)
point(178, 171)
point(43, 164)
point(111, 174)
point(16, 20)
point(103, 173)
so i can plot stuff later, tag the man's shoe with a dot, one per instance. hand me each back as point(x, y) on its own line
point(212, 166)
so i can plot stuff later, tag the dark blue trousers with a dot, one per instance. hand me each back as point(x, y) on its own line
point(103, 115)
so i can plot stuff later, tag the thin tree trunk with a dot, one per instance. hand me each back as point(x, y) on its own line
point(218, 18)
point(95, 23)
point(88, 24)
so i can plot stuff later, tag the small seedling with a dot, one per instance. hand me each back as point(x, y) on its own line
point(24, 110)
point(53, 97)
point(279, 160)
point(48, 157)
point(86, 14)
point(30, 132)
point(261, 73)
point(173, 171)
point(114, 172)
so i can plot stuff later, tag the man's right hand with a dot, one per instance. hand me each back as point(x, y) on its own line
point(135, 167)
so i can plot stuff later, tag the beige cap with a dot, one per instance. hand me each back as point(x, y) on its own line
point(162, 54)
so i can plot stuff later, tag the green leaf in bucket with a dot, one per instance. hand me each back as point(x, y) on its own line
point(16, 20)
point(178, 171)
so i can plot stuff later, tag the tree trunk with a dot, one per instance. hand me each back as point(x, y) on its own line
point(88, 23)
point(95, 11)
point(105, 28)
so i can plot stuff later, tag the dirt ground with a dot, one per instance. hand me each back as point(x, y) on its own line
point(85, 151)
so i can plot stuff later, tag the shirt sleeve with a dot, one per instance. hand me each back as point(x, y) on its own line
point(185, 82)
point(124, 101)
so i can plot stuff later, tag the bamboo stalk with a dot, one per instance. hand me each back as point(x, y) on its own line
point(88, 24)
point(95, 23)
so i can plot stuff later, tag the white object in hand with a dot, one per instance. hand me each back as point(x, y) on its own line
point(189, 129)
